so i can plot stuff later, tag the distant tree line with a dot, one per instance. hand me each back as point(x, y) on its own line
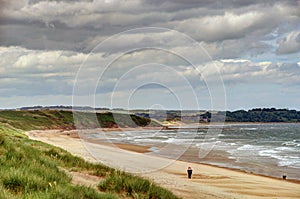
point(253, 115)
point(261, 115)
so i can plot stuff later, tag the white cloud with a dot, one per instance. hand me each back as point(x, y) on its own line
point(290, 44)
point(220, 27)
point(17, 60)
point(248, 72)
point(31, 72)
point(234, 60)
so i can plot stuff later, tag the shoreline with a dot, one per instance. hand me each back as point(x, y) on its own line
point(146, 149)
point(218, 158)
point(207, 175)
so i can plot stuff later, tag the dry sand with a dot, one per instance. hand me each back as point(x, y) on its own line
point(207, 182)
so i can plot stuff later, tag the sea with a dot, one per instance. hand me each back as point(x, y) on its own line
point(265, 149)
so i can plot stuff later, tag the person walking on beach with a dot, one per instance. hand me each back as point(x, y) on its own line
point(189, 172)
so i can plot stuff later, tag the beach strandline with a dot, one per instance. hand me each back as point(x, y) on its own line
point(207, 181)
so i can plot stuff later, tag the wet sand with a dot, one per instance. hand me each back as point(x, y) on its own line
point(207, 181)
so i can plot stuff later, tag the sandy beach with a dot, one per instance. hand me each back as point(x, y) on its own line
point(207, 181)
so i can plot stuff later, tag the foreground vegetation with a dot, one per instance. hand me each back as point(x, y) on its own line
point(32, 169)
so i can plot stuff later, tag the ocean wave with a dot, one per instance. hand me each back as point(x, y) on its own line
point(283, 159)
point(284, 148)
point(203, 144)
point(290, 163)
point(248, 129)
point(178, 140)
point(291, 143)
point(269, 153)
point(232, 157)
point(248, 147)
point(145, 140)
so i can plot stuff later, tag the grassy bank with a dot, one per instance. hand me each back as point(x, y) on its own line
point(55, 119)
point(31, 169)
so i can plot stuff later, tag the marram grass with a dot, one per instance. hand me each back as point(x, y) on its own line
point(133, 186)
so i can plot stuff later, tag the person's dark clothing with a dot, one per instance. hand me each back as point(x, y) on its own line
point(189, 171)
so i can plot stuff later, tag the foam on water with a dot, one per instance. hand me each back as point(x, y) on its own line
point(290, 163)
point(282, 148)
point(284, 158)
point(291, 143)
point(248, 147)
point(147, 140)
point(249, 129)
point(178, 141)
point(269, 153)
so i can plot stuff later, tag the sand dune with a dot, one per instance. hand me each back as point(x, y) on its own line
point(207, 181)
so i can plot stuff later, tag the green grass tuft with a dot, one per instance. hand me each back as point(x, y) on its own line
point(133, 186)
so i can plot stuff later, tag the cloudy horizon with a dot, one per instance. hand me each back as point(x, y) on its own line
point(168, 54)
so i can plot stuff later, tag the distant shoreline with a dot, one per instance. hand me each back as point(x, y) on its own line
point(187, 116)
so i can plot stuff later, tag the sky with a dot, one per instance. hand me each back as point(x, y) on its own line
point(157, 54)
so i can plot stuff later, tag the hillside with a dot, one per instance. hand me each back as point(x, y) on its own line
point(60, 119)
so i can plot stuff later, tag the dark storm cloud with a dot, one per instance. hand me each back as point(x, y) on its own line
point(69, 1)
point(43, 37)
point(72, 25)
point(177, 5)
